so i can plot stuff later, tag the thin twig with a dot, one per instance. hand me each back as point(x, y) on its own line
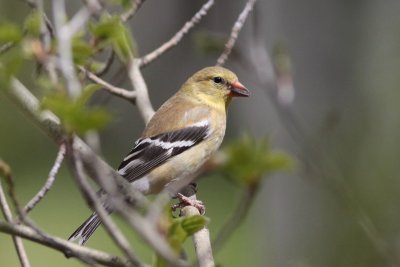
point(5, 47)
point(117, 91)
point(19, 246)
point(142, 94)
point(37, 4)
point(237, 27)
point(49, 182)
point(64, 246)
point(90, 196)
point(132, 11)
point(178, 36)
point(107, 64)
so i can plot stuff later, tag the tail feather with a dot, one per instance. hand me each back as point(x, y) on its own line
point(86, 229)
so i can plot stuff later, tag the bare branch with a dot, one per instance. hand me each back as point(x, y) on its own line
point(64, 246)
point(117, 91)
point(237, 27)
point(64, 33)
point(132, 11)
point(19, 246)
point(91, 198)
point(142, 95)
point(5, 47)
point(178, 36)
point(49, 182)
point(107, 64)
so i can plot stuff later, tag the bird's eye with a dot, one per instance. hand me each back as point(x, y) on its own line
point(218, 80)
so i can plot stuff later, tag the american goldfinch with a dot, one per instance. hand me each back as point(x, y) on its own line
point(185, 131)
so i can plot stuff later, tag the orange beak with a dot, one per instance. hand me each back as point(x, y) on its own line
point(238, 89)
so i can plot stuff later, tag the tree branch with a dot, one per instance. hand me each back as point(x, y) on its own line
point(93, 164)
point(49, 182)
point(63, 245)
point(201, 239)
point(90, 196)
point(142, 94)
point(19, 246)
point(117, 91)
point(237, 27)
point(132, 11)
point(64, 34)
point(178, 36)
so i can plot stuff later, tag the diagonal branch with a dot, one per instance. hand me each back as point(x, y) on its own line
point(132, 11)
point(51, 125)
point(237, 27)
point(90, 195)
point(178, 36)
point(49, 182)
point(117, 91)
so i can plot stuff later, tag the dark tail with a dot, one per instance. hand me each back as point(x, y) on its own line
point(86, 229)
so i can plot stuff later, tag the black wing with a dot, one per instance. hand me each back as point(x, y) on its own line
point(151, 152)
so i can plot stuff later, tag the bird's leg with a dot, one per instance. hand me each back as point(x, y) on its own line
point(187, 201)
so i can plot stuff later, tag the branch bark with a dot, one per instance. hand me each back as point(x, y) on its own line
point(64, 246)
point(237, 27)
point(49, 182)
point(19, 246)
point(178, 36)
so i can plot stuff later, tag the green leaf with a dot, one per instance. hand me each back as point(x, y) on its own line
point(32, 23)
point(123, 42)
point(9, 33)
point(10, 64)
point(248, 160)
point(87, 93)
point(111, 31)
point(75, 116)
point(81, 50)
point(176, 234)
point(95, 66)
point(193, 224)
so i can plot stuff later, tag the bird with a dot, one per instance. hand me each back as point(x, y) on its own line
point(180, 137)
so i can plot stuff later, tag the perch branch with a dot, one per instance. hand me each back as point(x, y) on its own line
point(201, 238)
point(178, 36)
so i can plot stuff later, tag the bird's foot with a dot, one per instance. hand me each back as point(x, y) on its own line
point(186, 201)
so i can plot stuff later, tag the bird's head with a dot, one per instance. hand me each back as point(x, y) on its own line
point(215, 85)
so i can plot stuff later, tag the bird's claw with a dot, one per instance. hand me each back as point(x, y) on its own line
point(186, 201)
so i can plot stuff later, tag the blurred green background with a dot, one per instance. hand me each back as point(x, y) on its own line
point(340, 207)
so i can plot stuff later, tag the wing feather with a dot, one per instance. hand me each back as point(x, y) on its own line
point(149, 153)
